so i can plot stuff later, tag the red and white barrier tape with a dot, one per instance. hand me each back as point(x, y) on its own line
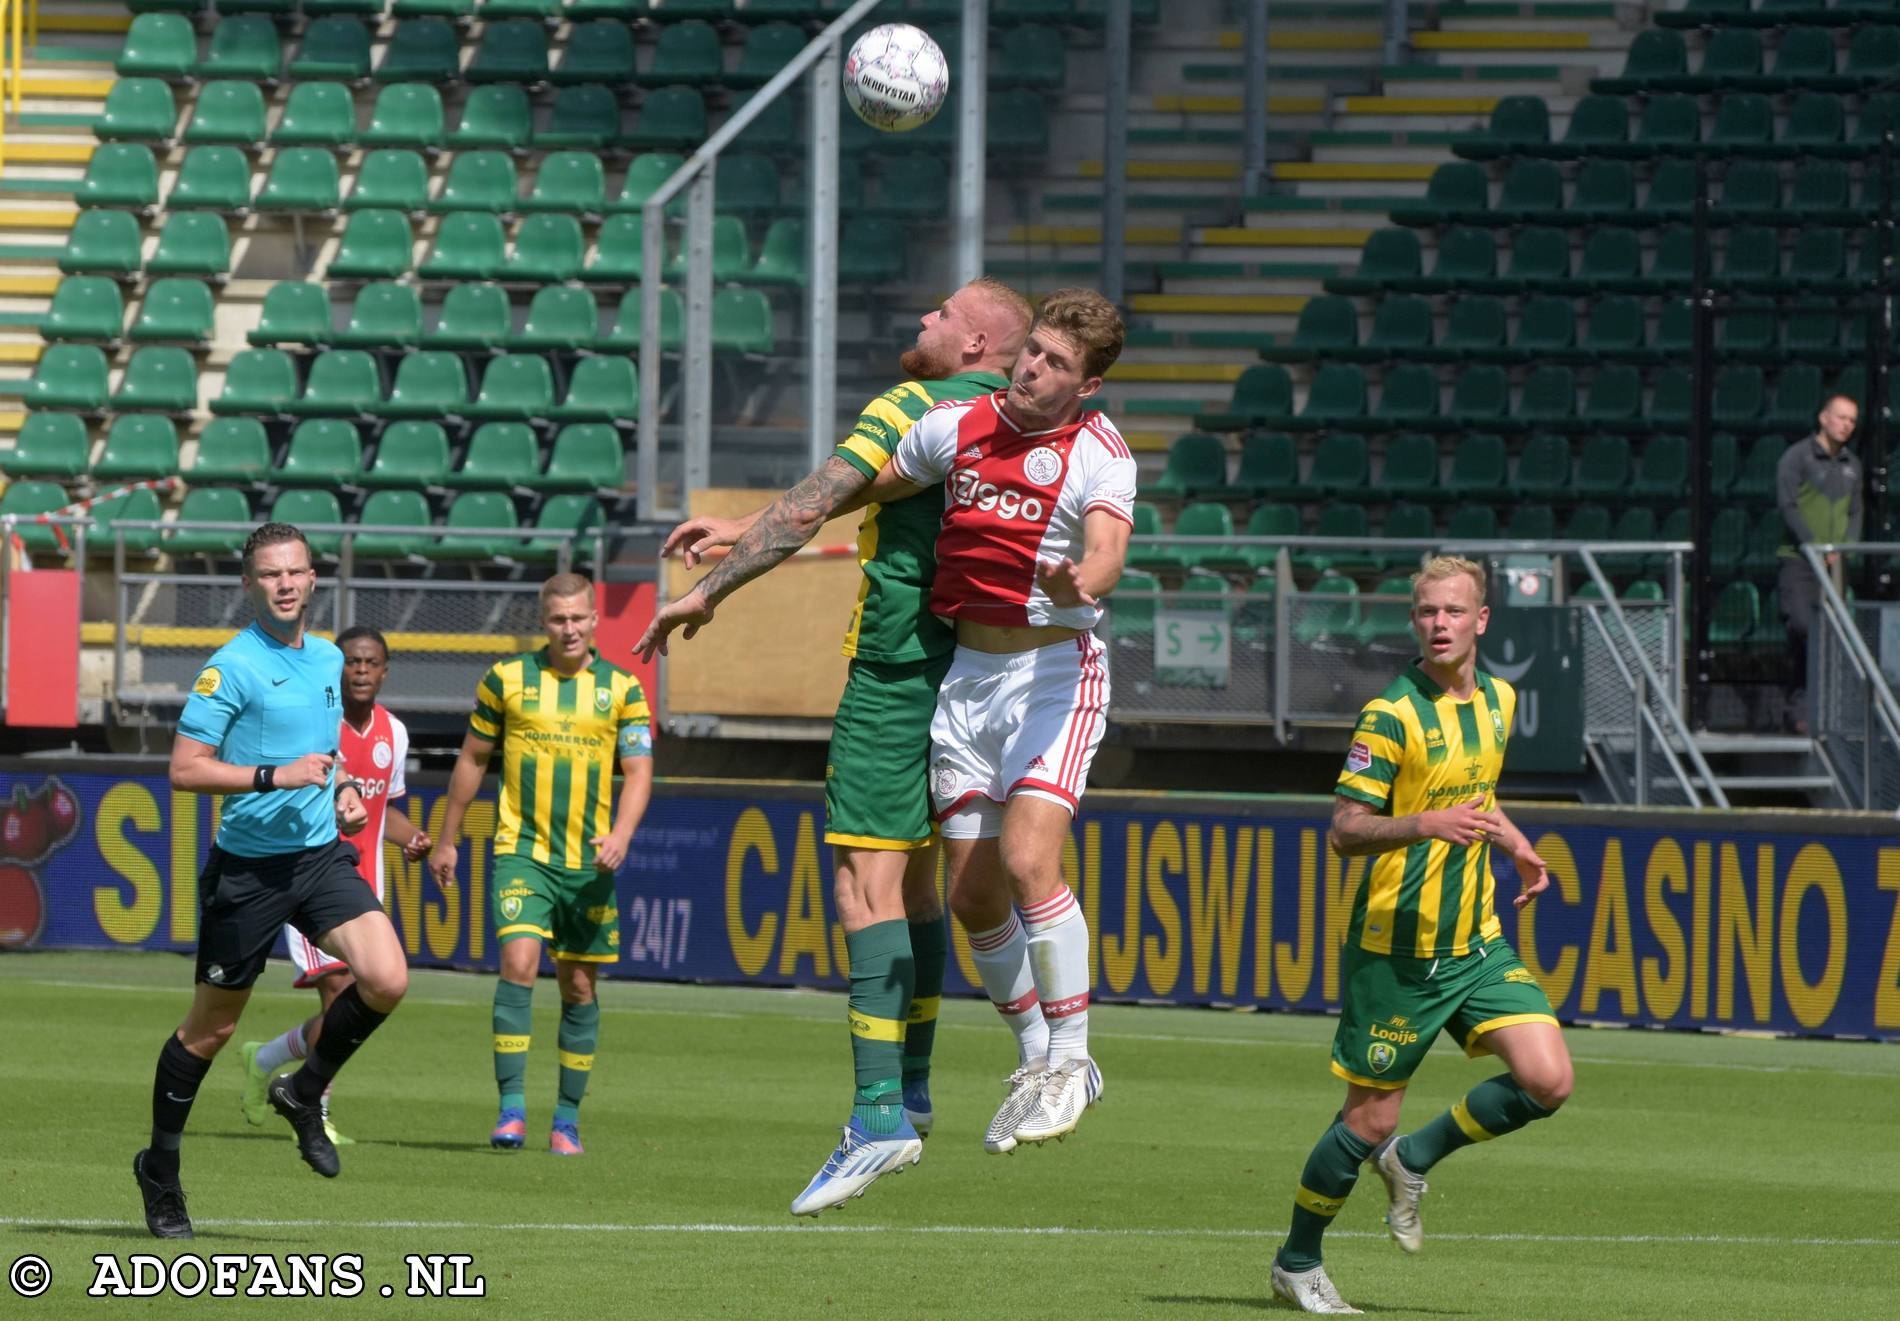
point(82, 506)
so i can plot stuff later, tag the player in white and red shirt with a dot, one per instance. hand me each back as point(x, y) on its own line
point(373, 747)
point(1039, 501)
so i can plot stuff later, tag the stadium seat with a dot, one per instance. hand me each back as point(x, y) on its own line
point(586, 456)
point(473, 316)
point(85, 309)
point(410, 454)
point(1404, 521)
point(1605, 192)
point(1340, 468)
point(1031, 55)
point(405, 115)
point(1348, 522)
point(584, 115)
point(1337, 393)
point(324, 451)
point(515, 386)
point(570, 181)
point(212, 179)
point(137, 446)
point(497, 117)
point(1260, 393)
point(209, 504)
point(301, 179)
point(316, 115)
point(469, 245)
point(1540, 259)
point(1408, 397)
point(1206, 519)
point(429, 383)
point(768, 48)
point(1131, 610)
point(391, 179)
point(1457, 190)
point(600, 389)
point(69, 377)
point(133, 506)
point(1543, 468)
point(158, 46)
point(478, 181)
point(157, 379)
point(1873, 57)
point(101, 243)
point(48, 445)
point(32, 497)
point(1657, 57)
point(564, 513)
point(307, 508)
point(1533, 190)
point(258, 381)
point(1735, 615)
point(1147, 554)
point(1614, 327)
point(342, 383)
point(670, 117)
point(1615, 397)
point(1546, 327)
point(227, 112)
point(500, 455)
point(1197, 462)
point(547, 248)
point(602, 52)
point(1327, 325)
point(1530, 523)
point(1478, 469)
point(1598, 123)
point(1668, 123)
point(1744, 120)
point(1328, 616)
point(687, 53)
point(231, 449)
point(376, 245)
point(645, 174)
point(479, 511)
point(334, 47)
point(420, 50)
point(742, 322)
point(1816, 121)
point(1390, 257)
point(397, 508)
point(120, 174)
point(1269, 466)
point(1474, 329)
point(871, 250)
point(1603, 468)
point(782, 254)
point(1401, 328)
point(1469, 522)
point(747, 184)
point(1409, 470)
point(1269, 520)
point(559, 317)
point(1480, 396)
point(625, 335)
point(244, 46)
point(175, 310)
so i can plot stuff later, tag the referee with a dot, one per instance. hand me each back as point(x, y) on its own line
point(260, 728)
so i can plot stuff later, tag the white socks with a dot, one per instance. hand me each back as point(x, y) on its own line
point(1002, 960)
point(1058, 939)
point(279, 1051)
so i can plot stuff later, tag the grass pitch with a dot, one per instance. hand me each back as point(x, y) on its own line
point(1689, 1176)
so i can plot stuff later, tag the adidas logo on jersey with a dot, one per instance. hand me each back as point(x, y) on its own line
point(1036, 764)
point(972, 453)
point(1007, 502)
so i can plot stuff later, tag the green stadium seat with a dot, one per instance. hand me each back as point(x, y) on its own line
point(570, 181)
point(782, 254)
point(1672, 398)
point(420, 50)
point(579, 11)
point(1662, 474)
point(1635, 523)
point(1816, 121)
point(1740, 393)
point(1017, 124)
point(731, 256)
point(1518, 123)
point(587, 456)
point(1410, 468)
point(473, 316)
point(469, 245)
point(1148, 555)
point(742, 322)
point(1656, 58)
point(157, 379)
point(1531, 523)
point(1878, 111)
point(602, 52)
point(915, 185)
point(1340, 468)
point(1728, 541)
point(746, 183)
point(307, 509)
point(1603, 468)
point(500, 455)
point(1390, 256)
point(316, 115)
point(1478, 469)
point(548, 11)
point(158, 46)
point(1336, 394)
point(1401, 328)
point(1131, 610)
point(392, 509)
point(1735, 615)
point(390, 179)
point(301, 179)
point(324, 451)
point(585, 115)
point(1671, 122)
point(1873, 57)
point(1731, 57)
point(600, 389)
point(335, 47)
point(68, 376)
point(410, 454)
point(376, 245)
point(405, 115)
point(1748, 329)
point(514, 50)
point(1750, 190)
point(1819, 191)
point(48, 445)
point(139, 446)
point(85, 309)
point(687, 53)
point(1615, 398)
point(430, 383)
point(1612, 259)
point(1605, 191)
point(670, 117)
point(776, 129)
point(1798, 394)
point(371, 9)
point(871, 250)
point(1404, 521)
point(1598, 123)
point(1543, 469)
point(1032, 55)
point(1546, 327)
point(209, 504)
point(1269, 520)
point(1765, 538)
point(1533, 190)
point(768, 48)
point(1348, 522)
point(1467, 523)
point(548, 248)
point(342, 383)
point(564, 513)
point(133, 506)
point(227, 113)
point(1327, 325)
point(231, 449)
point(212, 179)
point(1260, 393)
point(1549, 397)
point(120, 174)
point(29, 498)
point(176, 310)
point(1456, 190)
point(1197, 462)
point(1725, 461)
point(1480, 396)
point(645, 174)
point(1614, 327)
point(479, 181)
point(101, 243)
point(243, 47)
point(1540, 259)
point(138, 110)
point(474, 511)
point(1408, 397)
point(515, 386)
point(1387, 625)
point(498, 117)
point(1743, 120)
point(1474, 328)
point(1207, 520)
point(1269, 466)
point(559, 317)
point(257, 381)
point(1466, 255)
point(625, 335)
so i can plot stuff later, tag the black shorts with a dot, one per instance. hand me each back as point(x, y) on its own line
point(244, 902)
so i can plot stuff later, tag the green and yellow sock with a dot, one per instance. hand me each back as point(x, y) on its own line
point(883, 974)
point(930, 951)
point(1331, 1171)
point(1493, 1108)
point(580, 1029)
point(514, 1027)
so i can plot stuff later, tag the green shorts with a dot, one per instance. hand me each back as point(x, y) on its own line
point(1392, 1009)
point(877, 790)
point(574, 911)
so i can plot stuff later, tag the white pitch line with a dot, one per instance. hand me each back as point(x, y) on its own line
point(997, 1231)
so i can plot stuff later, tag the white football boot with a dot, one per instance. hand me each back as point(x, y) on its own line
point(860, 1160)
point(1404, 1191)
point(1310, 1291)
point(1067, 1090)
point(1020, 1091)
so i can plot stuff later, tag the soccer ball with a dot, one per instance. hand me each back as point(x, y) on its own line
point(895, 77)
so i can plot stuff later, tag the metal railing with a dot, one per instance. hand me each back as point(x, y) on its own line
point(1854, 717)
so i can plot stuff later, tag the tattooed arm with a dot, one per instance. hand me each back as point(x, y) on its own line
point(1358, 829)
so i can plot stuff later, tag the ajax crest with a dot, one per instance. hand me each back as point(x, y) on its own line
point(381, 755)
point(1042, 465)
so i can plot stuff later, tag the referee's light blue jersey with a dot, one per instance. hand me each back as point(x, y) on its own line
point(261, 703)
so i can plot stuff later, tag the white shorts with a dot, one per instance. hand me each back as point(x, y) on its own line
point(1025, 722)
point(311, 961)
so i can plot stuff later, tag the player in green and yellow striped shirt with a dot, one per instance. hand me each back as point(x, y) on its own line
point(564, 718)
point(1424, 950)
point(877, 803)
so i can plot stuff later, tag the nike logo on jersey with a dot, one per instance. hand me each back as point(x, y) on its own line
point(279, 683)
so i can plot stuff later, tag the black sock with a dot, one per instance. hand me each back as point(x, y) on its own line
point(346, 1026)
point(174, 1086)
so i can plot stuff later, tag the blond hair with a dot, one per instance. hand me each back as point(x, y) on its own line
point(563, 585)
point(1090, 320)
point(1441, 567)
point(1010, 311)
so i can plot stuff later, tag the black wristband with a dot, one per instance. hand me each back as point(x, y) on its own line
point(264, 779)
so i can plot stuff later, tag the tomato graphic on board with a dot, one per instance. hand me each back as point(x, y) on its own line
point(25, 829)
point(33, 826)
point(22, 906)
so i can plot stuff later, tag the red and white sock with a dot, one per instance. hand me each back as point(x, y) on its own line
point(1002, 961)
point(1059, 952)
point(279, 1051)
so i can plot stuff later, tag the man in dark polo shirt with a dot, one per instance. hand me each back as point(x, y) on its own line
point(1817, 485)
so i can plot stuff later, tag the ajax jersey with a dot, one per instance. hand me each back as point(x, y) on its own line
point(374, 759)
